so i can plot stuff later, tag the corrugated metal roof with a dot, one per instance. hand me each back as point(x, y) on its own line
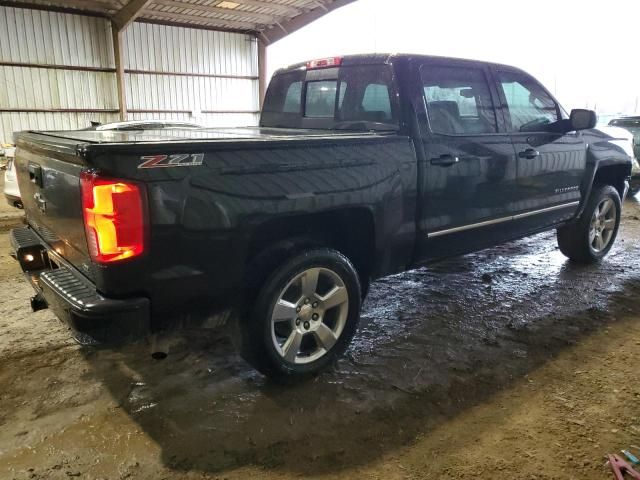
point(270, 18)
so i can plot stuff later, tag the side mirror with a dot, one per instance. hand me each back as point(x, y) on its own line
point(581, 119)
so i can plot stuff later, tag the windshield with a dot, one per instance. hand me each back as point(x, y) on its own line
point(358, 97)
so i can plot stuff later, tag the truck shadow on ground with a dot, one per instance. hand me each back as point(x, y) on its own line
point(432, 343)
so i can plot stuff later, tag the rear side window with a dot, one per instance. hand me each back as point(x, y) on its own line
point(458, 100)
point(376, 99)
point(529, 106)
point(285, 95)
point(366, 95)
point(293, 99)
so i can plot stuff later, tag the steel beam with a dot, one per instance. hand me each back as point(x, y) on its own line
point(53, 66)
point(283, 29)
point(118, 55)
point(262, 71)
point(129, 13)
point(57, 110)
point(119, 22)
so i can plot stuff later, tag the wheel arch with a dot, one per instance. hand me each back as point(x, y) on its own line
point(615, 175)
point(611, 173)
point(350, 231)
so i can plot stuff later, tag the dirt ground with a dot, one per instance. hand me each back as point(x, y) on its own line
point(508, 363)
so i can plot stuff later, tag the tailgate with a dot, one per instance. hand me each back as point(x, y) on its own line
point(48, 172)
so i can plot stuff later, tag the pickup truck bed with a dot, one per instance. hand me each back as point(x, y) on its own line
point(207, 219)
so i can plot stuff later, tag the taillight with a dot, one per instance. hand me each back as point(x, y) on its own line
point(113, 217)
point(324, 63)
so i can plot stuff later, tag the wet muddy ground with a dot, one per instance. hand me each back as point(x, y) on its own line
point(509, 363)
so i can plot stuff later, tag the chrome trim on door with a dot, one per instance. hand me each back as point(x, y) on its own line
point(545, 210)
point(500, 220)
point(469, 227)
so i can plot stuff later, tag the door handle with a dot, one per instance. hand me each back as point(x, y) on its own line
point(445, 160)
point(529, 153)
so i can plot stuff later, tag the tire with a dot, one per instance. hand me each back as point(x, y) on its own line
point(589, 238)
point(294, 330)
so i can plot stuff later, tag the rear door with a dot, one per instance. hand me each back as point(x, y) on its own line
point(550, 162)
point(468, 172)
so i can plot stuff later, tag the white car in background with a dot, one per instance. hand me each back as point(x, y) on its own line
point(623, 126)
point(11, 190)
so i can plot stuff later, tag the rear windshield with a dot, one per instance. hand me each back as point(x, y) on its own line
point(347, 98)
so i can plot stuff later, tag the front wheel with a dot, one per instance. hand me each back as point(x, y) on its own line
point(304, 317)
point(591, 237)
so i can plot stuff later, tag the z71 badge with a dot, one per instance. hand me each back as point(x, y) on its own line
point(178, 160)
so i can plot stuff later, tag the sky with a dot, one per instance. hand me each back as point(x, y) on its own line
point(585, 52)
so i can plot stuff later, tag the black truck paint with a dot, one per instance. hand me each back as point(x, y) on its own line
point(387, 197)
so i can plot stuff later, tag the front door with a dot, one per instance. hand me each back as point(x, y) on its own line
point(468, 172)
point(550, 162)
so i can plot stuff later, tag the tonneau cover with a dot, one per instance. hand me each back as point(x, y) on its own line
point(197, 134)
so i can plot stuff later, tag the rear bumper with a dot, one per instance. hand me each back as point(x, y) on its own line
point(93, 318)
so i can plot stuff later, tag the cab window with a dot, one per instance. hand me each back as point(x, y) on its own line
point(285, 95)
point(352, 97)
point(458, 100)
point(321, 99)
point(528, 105)
point(293, 99)
point(376, 99)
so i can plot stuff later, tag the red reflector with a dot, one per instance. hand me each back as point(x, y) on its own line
point(113, 217)
point(324, 63)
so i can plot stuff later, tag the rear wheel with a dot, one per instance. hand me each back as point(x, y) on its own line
point(591, 237)
point(304, 317)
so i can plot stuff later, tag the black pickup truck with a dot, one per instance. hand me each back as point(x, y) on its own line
point(362, 166)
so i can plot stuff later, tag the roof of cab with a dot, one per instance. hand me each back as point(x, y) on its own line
point(360, 59)
point(388, 58)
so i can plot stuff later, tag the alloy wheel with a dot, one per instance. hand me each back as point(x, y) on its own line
point(603, 224)
point(309, 315)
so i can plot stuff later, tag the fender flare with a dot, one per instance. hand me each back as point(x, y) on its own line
point(589, 179)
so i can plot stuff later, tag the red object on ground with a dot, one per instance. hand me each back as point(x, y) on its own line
point(620, 467)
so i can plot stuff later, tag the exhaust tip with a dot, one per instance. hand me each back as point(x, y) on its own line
point(159, 355)
point(159, 346)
